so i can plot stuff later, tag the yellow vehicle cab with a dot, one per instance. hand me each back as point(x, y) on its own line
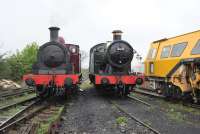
point(172, 66)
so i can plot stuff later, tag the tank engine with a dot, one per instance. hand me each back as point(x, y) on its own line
point(57, 70)
point(110, 66)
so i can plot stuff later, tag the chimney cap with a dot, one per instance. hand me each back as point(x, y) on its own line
point(117, 31)
point(54, 28)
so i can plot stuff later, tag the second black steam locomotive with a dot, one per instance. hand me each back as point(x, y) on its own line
point(110, 66)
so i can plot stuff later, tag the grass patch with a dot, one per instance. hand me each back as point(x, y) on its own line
point(147, 122)
point(173, 110)
point(179, 112)
point(121, 120)
point(178, 116)
point(84, 72)
point(86, 85)
point(11, 111)
point(44, 126)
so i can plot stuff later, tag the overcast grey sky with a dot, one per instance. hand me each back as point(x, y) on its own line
point(87, 22)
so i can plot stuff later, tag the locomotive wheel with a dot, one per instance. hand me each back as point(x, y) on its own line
point(67, 91)
point(177, 92)
point(97, 87)
point(187, 97)
point(42, 91)
point(196, 96)
point(171, 91)
point(75, 90)
point(123, 92)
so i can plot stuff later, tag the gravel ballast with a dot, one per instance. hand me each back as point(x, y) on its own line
point(92, 113)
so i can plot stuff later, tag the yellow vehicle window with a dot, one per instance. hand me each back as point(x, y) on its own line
point(152, 53)
point(151, 68)
point(196, 49)
point(165, 52)
point(178, 49)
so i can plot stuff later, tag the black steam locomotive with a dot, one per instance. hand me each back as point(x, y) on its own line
point(110, 66)
point(57, 70)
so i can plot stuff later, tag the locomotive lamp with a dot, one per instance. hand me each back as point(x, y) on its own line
point(104, 81)
point(138, 57)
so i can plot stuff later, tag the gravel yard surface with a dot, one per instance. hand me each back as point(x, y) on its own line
point(168, 117)
point(91, 113)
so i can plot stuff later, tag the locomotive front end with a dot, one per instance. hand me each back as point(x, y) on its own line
point(110, 65)
point(119, 53)
point(57, 69)
point(53, 54)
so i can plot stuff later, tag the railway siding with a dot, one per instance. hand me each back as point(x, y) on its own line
point(174, 111)
point(157, 118)
point(36, 117)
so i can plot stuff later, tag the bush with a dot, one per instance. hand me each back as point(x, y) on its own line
point(4, 67)
point(21, 62)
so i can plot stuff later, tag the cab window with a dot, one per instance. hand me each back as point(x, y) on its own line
point(152, 53)
point(178, 49)
point(151, 68)
point(196, 49)
point(165, 52)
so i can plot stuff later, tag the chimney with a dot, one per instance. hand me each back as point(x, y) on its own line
point(117, 34)
point(54, 33)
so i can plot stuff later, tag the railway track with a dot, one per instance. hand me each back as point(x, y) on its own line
point(28, 109)
point(137, 90)
point(17, 103)
point(192, 105)
point(15, 92)
point(139, 100)
point(196, 106)
point(134, 118)
point(84, 79)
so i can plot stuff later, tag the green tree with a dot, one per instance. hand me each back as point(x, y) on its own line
point(29, 56)
point(4, 67)
point(21, 62)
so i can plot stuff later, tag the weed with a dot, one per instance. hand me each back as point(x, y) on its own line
point(86, 85)
point(121, 120)
point(44, 126)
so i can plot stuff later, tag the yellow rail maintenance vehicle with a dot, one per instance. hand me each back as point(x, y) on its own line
point(172, 66)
